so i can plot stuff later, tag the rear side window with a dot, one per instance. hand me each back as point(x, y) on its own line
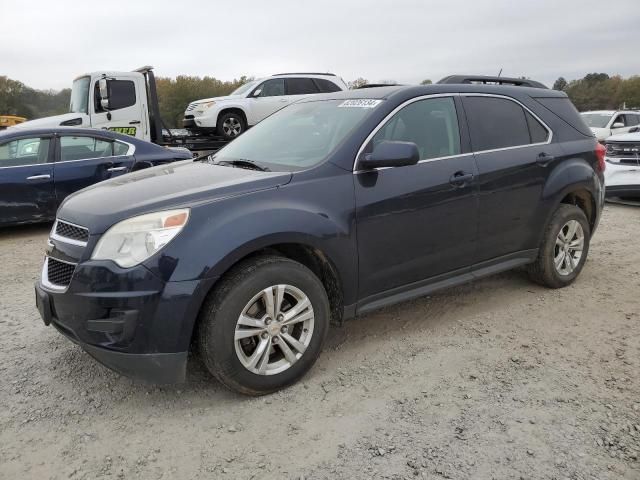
point(431, 124)
point(25, 151)
point(326, 86)
point(496, 123)
point(120, 148)
point(300, 86)
point(539, 134)
point(80, 148)
point(564, 109)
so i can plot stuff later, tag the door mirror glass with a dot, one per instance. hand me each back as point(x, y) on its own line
point(618, 125)
point(257, 92)
point(391, 154)
point(104, 93)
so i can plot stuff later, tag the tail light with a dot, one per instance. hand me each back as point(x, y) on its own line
point(600, 153)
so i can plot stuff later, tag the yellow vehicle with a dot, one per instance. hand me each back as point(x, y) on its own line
point(10, 121)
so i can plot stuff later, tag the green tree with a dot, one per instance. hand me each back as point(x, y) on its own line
point(426, 82)
point(560, 84)
point(358, 82)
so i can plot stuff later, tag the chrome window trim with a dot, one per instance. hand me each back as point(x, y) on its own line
point(68, 240)
point(473, 152)
point(44, 277)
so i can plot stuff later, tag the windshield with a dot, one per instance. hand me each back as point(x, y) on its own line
point(244, 88)
point(596, 120)
point(297, 137)
point(80, 95)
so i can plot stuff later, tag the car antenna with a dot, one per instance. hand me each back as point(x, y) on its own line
point(500, 72)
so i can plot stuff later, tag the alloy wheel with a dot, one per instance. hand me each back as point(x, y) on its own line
point(232, 127)
point(569, 247)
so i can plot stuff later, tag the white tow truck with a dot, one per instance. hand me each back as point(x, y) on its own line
point(124, 102)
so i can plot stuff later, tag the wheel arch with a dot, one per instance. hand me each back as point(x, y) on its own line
point(234, 109)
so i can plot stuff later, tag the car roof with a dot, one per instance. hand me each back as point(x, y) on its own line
point(611, 112)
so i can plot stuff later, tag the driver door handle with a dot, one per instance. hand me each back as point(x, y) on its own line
point(39, 177)
point(116, 169)
point(134, 122)
point(459, 179)
point(283, 100)
point(543, 159)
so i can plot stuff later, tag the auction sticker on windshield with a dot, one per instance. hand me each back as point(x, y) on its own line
point(361, 103)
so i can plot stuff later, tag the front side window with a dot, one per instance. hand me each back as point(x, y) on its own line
point(272, 88)
point(25, 151)
point(297, 137)
point(632, 120)
point(431, 124)
point(300, 86)
point(80, 95)
point(497, 123)
point(122, 94)
point(81, 148)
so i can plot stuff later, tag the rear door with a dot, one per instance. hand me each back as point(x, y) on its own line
point(514, 157)
point(126, 113)
point(82, 160)
point(26, 180)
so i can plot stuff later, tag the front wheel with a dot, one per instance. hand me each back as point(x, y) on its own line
point(230, 125)
point(564, 248)
point(264, 326)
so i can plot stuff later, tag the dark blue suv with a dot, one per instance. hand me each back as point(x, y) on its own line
point(330, 208)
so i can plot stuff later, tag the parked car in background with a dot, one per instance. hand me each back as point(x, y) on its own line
point(330, 208)
point(231, 115)
point(605, 123)
point(622, 176)
point(40, 167)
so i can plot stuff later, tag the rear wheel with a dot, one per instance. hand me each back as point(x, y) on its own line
point(564, 248)
point(264, 326)
point(230, 125)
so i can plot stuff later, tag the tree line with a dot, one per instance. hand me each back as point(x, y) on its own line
point(596, 91)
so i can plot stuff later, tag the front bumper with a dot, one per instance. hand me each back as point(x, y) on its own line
point(622, 180)
point(127, 319)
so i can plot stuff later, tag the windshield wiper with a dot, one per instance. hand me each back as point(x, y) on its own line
point(243, 163)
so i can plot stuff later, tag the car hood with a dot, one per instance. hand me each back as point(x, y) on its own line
point(216, 99)
point(53, 121)
point(601, 133)
point(174, 185)
point(625, 137)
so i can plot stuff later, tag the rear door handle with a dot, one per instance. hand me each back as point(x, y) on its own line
point(134, 122)
point(39, 177)
point(543, 159)
point(116, 169)
point(283, 100)
point(459, 179)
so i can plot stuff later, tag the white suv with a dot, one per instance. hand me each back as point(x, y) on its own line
point(622, 175)
point(231, 115)
point(604, 123)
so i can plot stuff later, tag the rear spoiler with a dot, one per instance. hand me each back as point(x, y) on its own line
point(482, 79)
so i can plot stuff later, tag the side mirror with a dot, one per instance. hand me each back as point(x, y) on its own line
point(391, 154)
point(104, 93)
point(618, 125)
point(257, 93)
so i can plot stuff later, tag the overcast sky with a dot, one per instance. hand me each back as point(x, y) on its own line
point(46, 43)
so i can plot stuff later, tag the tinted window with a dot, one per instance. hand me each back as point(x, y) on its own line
point(563, 108)
point(431, 124)
point(326, 86)
point(122, 94)
point(495, 123)
point(628, 120)
point(120, 148)
point(272, 88)
point(26, 151)
point(537, 131)
point(79, 148)
point(301, 86)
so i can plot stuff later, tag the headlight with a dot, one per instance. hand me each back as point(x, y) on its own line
point(205, 105)
point(132, 241)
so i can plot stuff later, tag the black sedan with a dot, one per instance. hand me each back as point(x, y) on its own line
point(40, 167)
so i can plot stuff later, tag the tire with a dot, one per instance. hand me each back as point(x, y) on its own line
point(544, 270)
point(230, 125)
point(241, 292)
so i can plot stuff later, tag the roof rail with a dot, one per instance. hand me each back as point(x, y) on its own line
point(376, 85)
point(144, 69)
point(305, 73)
point(486, 80)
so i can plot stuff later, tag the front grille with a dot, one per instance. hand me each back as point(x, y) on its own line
point(626, 149)
point(74, 232)
point(59, 273)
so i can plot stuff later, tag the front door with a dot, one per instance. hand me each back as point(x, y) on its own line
point(83, 160)
point(417, 222)
point(126, 108)
point(26, 180)
point(267, 98)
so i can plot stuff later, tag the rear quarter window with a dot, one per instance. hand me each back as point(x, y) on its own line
point(564, 109)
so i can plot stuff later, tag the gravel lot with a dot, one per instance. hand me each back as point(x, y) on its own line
point(497, 379)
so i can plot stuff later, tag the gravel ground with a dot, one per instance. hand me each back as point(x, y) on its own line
point(496, 379)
